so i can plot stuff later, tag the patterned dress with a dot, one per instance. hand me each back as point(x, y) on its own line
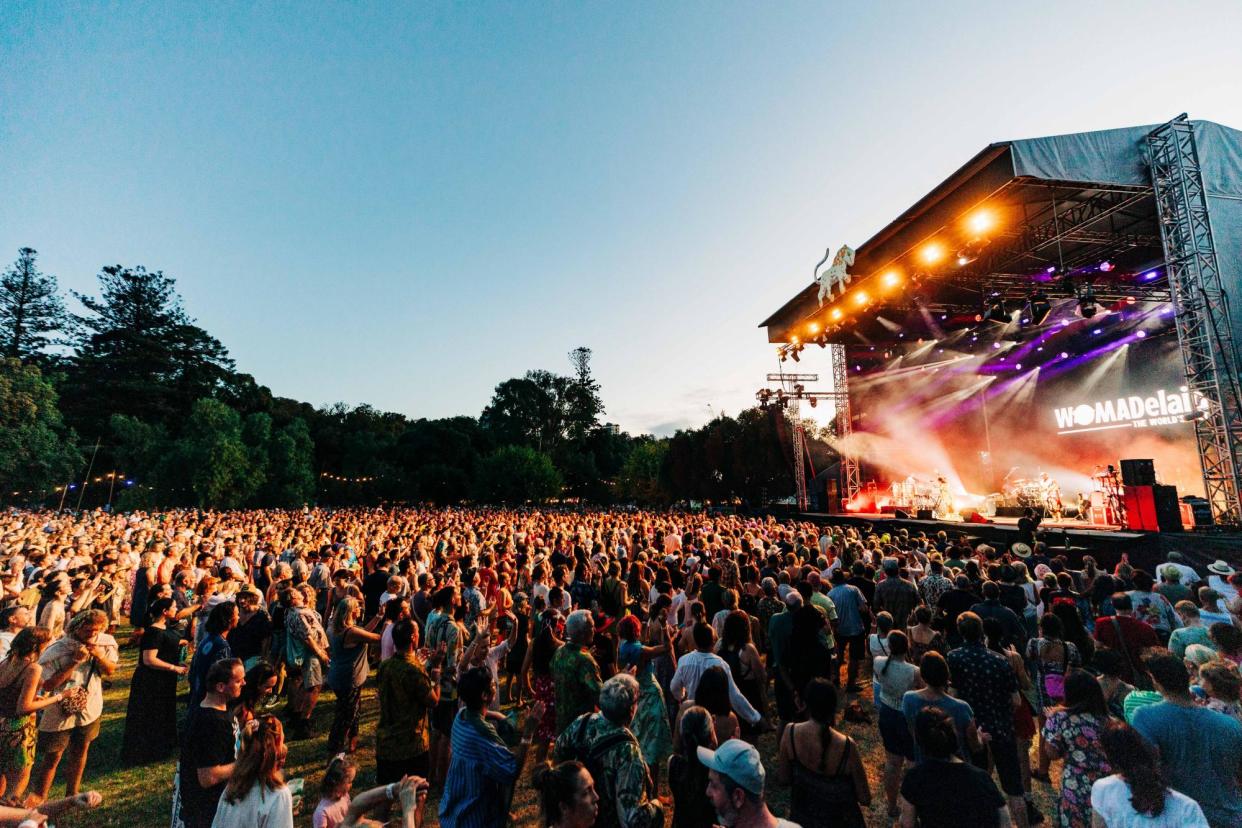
point(1076, 738)
point(650, 723)
point(575, 675)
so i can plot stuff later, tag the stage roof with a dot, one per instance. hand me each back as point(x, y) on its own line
point(1054, 214)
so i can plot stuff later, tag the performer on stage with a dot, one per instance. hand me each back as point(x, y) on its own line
point(1053, 507)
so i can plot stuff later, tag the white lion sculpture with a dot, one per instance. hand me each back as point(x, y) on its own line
point(836, 276)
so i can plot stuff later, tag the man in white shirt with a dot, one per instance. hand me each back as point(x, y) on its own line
point(692, 666)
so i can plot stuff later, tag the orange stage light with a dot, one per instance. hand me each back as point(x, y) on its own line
point(981, 221)
point(932, 252)
point(813, 328)
point(836, 314)
point(891, 279)
point(860, 298)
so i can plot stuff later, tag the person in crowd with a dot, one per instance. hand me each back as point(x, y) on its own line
point(208, 749)
point(781, 657)
point(1137, 793)
point(334, 792)
point(822, 765)
point(445, 633)
point(942, 791)
point(12, 620)
point(745, 666)
point(213, 647)
point(1221, 685)
point(1152, 607)
point(1200, 749)
point(992, 608)
point(605, 744)
point(77, 662)
point(1051, 661)
point(409, 690)
point(151, 711)
point(575, 673)
point(567, 795)
point(895, 594)
point(1128, 635)
point(986, 681)
point(1226, 639)
point(1072, 732)
point(256, 793)
point(924, 638)
point(251, 639)
point(853, 621)
point(482, 771)
point(1171, 586)
point(735, 786)
point(348, 671)
point(306, 654)
point(1190, 631)
point(692, 666)
point(256, 692)
point(893, 676)
point(650, 725)
point(934, 673)
point(536, 676)
point(687, 776)
point(20, 700)
point(410, 793)
point(712, 695)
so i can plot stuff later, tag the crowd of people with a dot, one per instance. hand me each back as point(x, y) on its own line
point(648, 660)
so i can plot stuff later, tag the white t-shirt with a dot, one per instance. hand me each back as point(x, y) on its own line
point(260, 808)
point(895, 681)
point(1110, 798)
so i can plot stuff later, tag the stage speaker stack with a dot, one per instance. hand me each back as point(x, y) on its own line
point(1138, 472)
point(1168, 509)
point(925, 514)
point(833, 501)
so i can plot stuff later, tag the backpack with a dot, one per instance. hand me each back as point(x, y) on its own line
point(592, 758)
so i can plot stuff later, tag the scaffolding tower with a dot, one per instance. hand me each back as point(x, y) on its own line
point(851, 482)
point(1201, 311)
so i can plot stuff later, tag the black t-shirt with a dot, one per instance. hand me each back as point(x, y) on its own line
point(373, 586)
point(955, 602)
point(246, 640)
point(263, 572)
point(209, 741)
point(952, 794)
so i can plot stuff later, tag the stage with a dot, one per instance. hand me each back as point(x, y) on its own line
point(1046, 328)
point(1146, 550)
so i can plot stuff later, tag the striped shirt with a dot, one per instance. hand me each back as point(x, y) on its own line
point(481, 770)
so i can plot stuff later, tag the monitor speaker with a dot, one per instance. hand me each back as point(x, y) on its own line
point(925, 514)
point(1138, 472)
point(901, 514)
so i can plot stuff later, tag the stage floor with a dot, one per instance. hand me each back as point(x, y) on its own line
point(1045, 525)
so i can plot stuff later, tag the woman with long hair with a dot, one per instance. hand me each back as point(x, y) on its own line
point(1137, 793)
point(893, 676)
point(20, 676)
point(260, 683)
point(822, 765)
point(567, 795)
point(687, 776)
point(306, 653)
point(923, 637)
point(256, 794)
point(650, 724)
point(536, 677)
point(1072, 733)
point(712, 694)
point(151, 712)
point(348, 670)
point(746, 665)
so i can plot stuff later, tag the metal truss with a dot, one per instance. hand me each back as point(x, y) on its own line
point(851, 481)
point(1201, 311)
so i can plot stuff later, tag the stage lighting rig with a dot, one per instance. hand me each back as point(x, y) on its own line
point(1037, 309)
point(1087, 306)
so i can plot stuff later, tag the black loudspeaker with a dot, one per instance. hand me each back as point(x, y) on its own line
point(1138, 472)
point(1168, 509)
point(925, 514)
point(901, 515)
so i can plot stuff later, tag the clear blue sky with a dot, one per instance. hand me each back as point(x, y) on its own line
point(406, 203)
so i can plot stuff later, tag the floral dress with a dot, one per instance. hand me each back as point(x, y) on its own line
point(1076, 738)
point(650, 723)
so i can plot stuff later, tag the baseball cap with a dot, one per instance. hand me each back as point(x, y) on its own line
point(737, 760)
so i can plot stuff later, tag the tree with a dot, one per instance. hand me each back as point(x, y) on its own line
point(529, 411)
point(36, 450)
point(291, 471)
point(582, 401)
point(640, 476)
point(219, 463)
point(31, 309)
point(517, 474)
point(138, 353)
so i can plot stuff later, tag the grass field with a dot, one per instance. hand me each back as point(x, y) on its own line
point(141, 797)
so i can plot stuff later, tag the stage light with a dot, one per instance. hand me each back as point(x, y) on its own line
point(1018, 366)
point(1105, 267)
point(1064, 355)
point(996, 346)
point(981, 221)
point(963, 260)
point(835, 315)
point(860, 298)
point(931, 253)
point(1149, 275)
point(793, 339)
point(1097, 331)
point(1086, 303)
point(1038, 308)
point(813, 328)
point(891, 279)
point(1141, 334)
